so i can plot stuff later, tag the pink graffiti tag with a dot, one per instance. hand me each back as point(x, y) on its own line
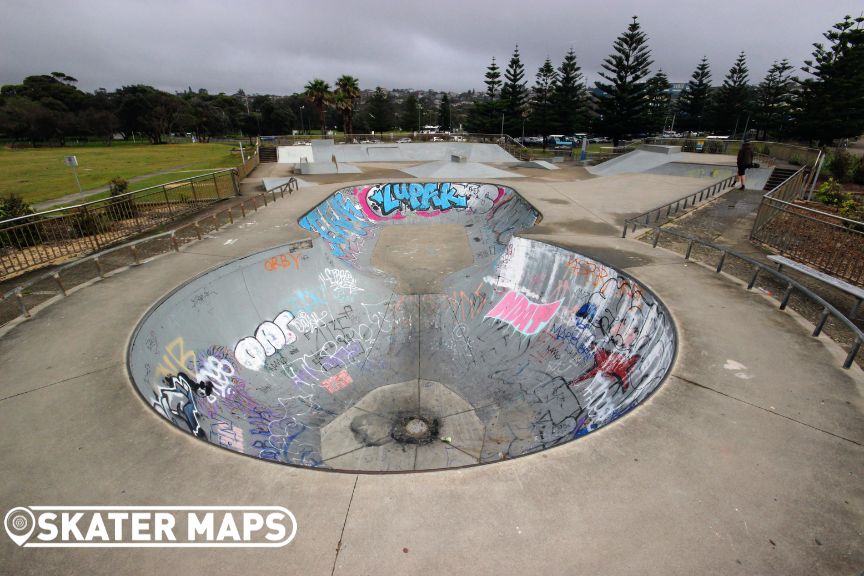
point(337, 382)
point(518, 311)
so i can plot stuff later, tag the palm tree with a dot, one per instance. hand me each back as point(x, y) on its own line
point(318, 94)
point(344, 106)
point(347, 93)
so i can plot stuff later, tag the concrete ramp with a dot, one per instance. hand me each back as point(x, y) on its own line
point(691, 170)
point(651, 158)
point(636, 161)
point(317, 168)
point(415, 331)
point(295, 154)
point(458, 170)
point(540, 164)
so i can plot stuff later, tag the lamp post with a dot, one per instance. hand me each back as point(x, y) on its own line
point(419, 110)
point(301, 119)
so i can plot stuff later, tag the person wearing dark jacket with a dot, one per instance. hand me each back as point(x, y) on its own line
point(745, 160)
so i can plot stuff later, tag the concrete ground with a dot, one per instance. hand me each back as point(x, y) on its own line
point(748, 460)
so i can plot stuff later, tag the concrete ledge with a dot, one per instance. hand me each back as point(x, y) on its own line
point(660, 148)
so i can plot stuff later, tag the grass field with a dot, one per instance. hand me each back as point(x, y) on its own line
point(39, 174)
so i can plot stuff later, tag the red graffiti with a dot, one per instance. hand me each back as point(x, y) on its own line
point(337, 382)
point(617, 366)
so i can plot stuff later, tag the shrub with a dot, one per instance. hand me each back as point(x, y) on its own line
point(831, 193)
point(853, 210)
point(858, 173)
point(123, 208)
point(118, 186)
point(796, 161)
point(840, 164)
point(89, 224)
point(13, 206)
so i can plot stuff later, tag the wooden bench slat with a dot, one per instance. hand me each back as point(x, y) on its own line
point(803, 268)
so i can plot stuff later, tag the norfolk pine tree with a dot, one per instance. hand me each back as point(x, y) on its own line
point(621, 104)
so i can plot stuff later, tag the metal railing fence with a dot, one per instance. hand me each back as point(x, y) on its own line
point(752, 270)
point(670, 209)
point(65, 279)
point(52, 236)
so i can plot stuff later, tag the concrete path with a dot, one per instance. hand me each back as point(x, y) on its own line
point(748, 460)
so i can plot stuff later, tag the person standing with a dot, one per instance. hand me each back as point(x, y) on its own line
point(744, 161)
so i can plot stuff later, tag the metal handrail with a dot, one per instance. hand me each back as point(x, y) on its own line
point(288, 186)
point(791, 285)
point(117, 197)
point(17, 292)
point(708, 192)
point(851, 222)
point(769, 196)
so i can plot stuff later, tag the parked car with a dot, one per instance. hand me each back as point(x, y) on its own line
point(559, 141)
point(403, 141)
point(437, 139)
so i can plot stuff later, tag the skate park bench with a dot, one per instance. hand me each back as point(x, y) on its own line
point(854, 291)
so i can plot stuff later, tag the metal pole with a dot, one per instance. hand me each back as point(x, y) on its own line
point(815, 178)
point(77, 182)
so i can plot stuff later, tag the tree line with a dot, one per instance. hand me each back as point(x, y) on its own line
point(825, 105)
point(50, 108)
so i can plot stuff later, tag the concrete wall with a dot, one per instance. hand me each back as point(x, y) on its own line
point(326, 150)
point(544, 344)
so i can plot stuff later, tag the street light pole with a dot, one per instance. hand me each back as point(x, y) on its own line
point(746, 124)
point(302, 127)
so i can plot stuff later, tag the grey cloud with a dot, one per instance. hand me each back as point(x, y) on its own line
point(276, 47)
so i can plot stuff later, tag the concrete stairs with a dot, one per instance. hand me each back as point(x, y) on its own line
point(267, 154)
point(778, 175)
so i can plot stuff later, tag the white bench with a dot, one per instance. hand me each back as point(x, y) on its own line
point(855, 291)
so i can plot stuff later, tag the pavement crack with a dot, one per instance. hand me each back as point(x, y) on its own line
point(345, 523)
point(822, 430)
point(61, 381)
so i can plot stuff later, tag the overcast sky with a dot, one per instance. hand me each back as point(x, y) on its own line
point(272, 47)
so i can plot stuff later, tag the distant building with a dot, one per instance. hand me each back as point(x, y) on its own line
point(675, 88)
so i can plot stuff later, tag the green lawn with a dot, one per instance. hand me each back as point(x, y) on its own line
point(39, 174)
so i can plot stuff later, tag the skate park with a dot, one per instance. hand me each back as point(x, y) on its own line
point(720, 434)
